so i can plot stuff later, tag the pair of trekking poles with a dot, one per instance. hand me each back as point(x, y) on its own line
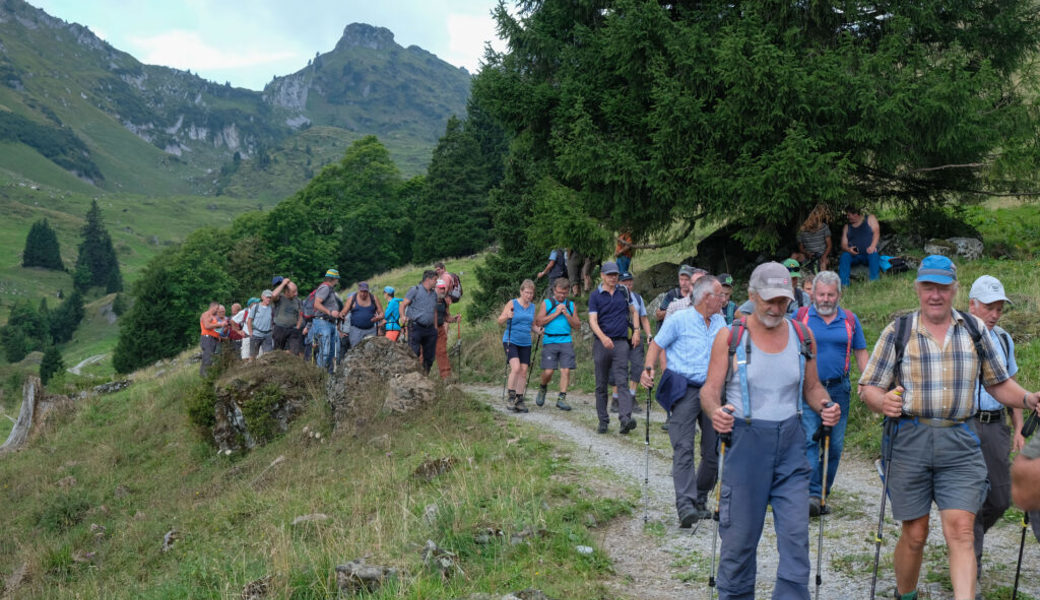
point(534, 353)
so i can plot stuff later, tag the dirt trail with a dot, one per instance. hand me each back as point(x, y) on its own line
point(87, 361)
point(675, 564)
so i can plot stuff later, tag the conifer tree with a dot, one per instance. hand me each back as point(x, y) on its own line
point(66, 318)
point(51, 364)
point(96, 264)
point(42, 248)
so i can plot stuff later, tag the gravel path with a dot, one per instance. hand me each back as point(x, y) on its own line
point(663, 562)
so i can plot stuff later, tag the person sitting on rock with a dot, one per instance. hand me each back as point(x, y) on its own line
point(859, 244)
point(814, 239)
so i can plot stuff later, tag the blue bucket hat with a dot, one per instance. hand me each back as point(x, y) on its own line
point(937, 269)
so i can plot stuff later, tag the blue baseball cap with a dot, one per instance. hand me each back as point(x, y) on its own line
point(388, 290)
point(609, 268)
point(937, 269)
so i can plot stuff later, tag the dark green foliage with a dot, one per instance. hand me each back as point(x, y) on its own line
point(182, 282)
point(59, 145)
point(27, 330)
point(66, 318)
point(644, 114)
point(120, 304)
point(200, 401)
point(51, 364)
point(259, 412)
point(41, 248)
point(96, 264)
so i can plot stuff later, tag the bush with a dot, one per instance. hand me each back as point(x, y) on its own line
point(200, 402)
point(62, 512)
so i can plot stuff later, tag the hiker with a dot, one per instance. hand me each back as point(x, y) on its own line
point(685, 301)
point(234, 328)
point(685, 284)
point(935, 455)
point(801, 297)
point(327, 307)
point(442, 317)
point(610, 312)
point(417, 313)
point(807, 284)
point(558, 317)
point(288, 317)
point(556, 267)
point(517, 317)
point(260, 325)
point(729, 307)
point(814, 238)
point(637, 354)
point(452, 283)
point(686, 339)
point(859, 244)
point(365, 313)
point(986, 301)
point(771, 365)
point(210, 323)
point(839, 337)
point(623, 252)
point(392, 314)
point(241, 318)
point(575, 260)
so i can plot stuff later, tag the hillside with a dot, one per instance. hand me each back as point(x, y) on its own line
point(72, 107)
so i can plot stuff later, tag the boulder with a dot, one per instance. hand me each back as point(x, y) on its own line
point(659, 278)
point(376, 375)
point(259, 400)
point(965, 247)
point(721, 253)
point(941, 247)
point(356, 577)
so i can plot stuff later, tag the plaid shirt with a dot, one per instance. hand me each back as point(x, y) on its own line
point(939, 382)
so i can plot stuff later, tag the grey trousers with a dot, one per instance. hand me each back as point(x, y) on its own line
point(611, 364)
point(995, 440)
point(692, 482)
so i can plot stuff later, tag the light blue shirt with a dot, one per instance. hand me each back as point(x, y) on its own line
point(986, 401)
point(687, 341)
point(637, 301)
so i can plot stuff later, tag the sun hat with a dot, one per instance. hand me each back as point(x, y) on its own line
point(333, 273)
point(772, 280)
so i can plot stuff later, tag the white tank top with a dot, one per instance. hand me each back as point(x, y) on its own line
point(772, 381)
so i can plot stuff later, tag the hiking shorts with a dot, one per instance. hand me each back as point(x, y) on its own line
point(521, 352)
point(559, 356)
point(929, 463)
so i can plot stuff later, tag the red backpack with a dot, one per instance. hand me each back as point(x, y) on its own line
point(850, 328)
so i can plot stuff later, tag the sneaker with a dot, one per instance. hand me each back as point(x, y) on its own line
point(825, 509)
point(702, 509)
point(688, 518)
point(613, 405)
point(627, 426)
point(539, 399)
point(562, 405)
point(814, 507)
point(603, 427)
point(519, 405)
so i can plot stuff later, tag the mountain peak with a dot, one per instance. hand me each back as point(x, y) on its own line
point(366, 36)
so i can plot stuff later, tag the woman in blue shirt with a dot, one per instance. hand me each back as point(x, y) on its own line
point(392, 314)
point(518, 318)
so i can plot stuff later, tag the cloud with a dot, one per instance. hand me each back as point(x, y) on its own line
point(467, 34)
point(188, 50)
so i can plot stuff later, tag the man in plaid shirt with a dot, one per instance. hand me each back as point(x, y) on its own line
point(935, 454)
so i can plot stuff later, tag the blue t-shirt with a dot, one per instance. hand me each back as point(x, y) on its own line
point(832, 341)
point(518, 332)
point(393, 315)
point(558, 331)
point(687, 341)
point(986, 401)
point(611, 310)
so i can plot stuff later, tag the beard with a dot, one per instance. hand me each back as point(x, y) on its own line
point(770, 321)
point(826, 309)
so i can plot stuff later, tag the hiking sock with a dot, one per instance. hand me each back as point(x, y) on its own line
point(512, 397)
point(543, 388)
point(911, 596)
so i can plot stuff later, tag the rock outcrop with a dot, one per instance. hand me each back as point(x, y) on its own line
point(376, 375)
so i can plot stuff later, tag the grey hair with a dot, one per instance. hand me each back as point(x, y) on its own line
point(702, 287)
point(826, 278)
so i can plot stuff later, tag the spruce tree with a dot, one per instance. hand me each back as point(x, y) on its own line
point(51, 364)
point(42, 248)
point(65, 319)
point(96, 264)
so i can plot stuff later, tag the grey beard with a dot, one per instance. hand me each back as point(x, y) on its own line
point(826, 310)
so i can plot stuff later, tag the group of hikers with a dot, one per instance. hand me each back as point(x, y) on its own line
point(323, 326)
point(768, 386)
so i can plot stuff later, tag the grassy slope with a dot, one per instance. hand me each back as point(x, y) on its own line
point(141, 471)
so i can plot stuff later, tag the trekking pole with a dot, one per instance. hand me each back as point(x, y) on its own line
point(509, 338)
point(724, 440)
point(1021, 546)
point(825, 433)
point(537, 342)
point(646, 473)
point(891, 429)
point(458, 332)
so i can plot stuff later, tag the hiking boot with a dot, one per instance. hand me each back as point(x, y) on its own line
point(635, 407)
point(613, 405)
point(627, 426)
point(603, 427)
point(539, 399)
point(825, 509)
point(911, 596)
point(519, 405)
point(562, 404)
point(688, 518)
point(814, 507)
point(664, 426)
point(702, 509)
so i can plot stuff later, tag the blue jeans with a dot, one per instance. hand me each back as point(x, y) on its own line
point(325, 335)
point(764, 466)
point(623, 263)
point(839, 393)
point(873, 262)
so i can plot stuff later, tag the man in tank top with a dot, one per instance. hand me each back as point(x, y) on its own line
point(764, 460)
point(859, 244)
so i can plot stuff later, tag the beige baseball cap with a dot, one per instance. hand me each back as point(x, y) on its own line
point(772, 280)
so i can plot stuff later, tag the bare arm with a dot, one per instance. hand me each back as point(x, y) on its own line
point(814, 392)
point(540, 318)
point(876, 228)
point(506, 314)
point(1011, 394)
point(636, 325)
point(654, 355)
point(845, 240)
point(861, 358)
point(572, 318)
point(711, 392)
point(277, 292)
point(1025, 483)
point(594, 325)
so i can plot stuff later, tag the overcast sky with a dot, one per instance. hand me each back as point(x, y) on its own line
point(247, 42)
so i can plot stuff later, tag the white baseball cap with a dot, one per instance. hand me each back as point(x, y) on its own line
point(772, 280)
point(988, 289)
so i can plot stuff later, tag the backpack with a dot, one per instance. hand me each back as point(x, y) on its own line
point(456, 287)
point(802, 316)
point(903, 337)
point(805, 353)
point(308, 304)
